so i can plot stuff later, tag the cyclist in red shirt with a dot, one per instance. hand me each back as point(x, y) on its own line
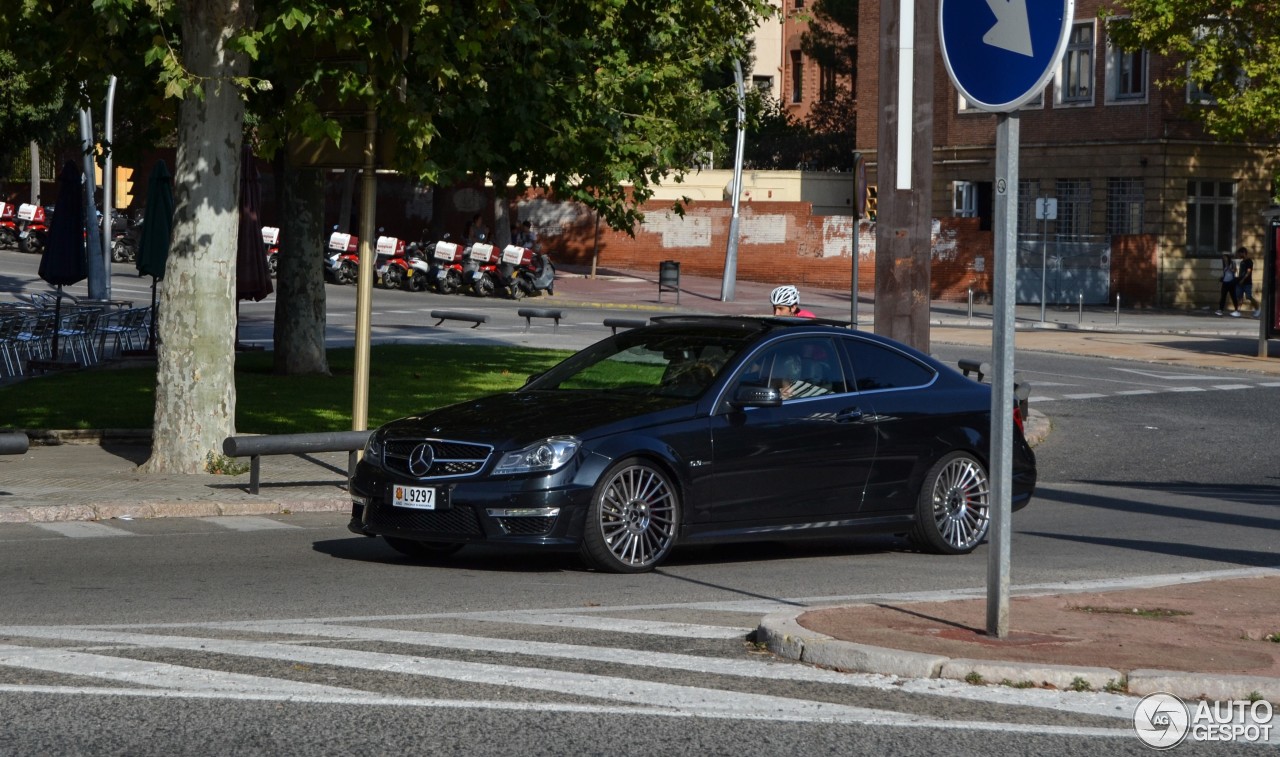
point(786, 302)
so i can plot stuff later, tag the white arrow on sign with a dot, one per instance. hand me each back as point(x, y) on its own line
point(1012, 31)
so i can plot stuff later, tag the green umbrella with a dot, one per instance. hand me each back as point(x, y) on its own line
point(157, 228)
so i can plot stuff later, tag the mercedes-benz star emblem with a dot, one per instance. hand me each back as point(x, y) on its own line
point(420, 460)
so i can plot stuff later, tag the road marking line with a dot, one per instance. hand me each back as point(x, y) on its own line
point(1228, 387)
point(1041, 399)
point(1136, 391)
point(83, 529)
point(1185, 389)
point(127, 670)
point(247, 523)
point(619, 625)
point(676, 699)
point(1089, 396)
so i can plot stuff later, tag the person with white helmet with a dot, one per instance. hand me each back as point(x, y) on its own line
point(786, 302)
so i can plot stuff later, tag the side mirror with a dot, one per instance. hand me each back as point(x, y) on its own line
point(532, 377)
point(756, 396)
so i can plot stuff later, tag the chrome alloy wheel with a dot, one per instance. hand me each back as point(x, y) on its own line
point(962, 503)
point(634, 523)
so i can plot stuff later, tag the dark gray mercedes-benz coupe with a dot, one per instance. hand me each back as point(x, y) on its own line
point(696, 429)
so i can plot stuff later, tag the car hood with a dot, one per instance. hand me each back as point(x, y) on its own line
point(514, 419)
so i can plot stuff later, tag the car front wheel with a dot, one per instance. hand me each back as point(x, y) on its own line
point(631, 526)
point(953, 511)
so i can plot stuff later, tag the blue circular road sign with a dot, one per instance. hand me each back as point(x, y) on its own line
point(1001, 53)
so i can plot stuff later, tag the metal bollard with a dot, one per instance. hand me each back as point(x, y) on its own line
point(1080, 317)
point(970, 321)
point(1117, 310)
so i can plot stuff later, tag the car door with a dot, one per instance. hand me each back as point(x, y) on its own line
point(803, 461)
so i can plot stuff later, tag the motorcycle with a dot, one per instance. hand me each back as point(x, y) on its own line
point(480, 271)
point(33, 229)
point(342, 266)
point(8, 227)
point(418, 257)
point(524, 271)
point(391, 265)
point(271, 241)
point(446, 267)
point(124, 237)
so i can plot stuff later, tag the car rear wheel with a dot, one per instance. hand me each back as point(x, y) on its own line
point(631, 526)
point(422, 550)
point(953, 511)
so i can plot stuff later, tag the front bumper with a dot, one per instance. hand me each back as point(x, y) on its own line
point(541, 510)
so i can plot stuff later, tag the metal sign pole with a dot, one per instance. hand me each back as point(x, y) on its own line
point(1002, 397)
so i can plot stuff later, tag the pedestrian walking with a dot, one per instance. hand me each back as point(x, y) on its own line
point(1228, 279)
point(1244, 280)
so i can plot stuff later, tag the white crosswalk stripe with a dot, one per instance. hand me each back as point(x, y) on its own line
point(617, 694)
point(82, 529)
point(247, 523)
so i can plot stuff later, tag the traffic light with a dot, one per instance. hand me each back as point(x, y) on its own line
point(124, 187)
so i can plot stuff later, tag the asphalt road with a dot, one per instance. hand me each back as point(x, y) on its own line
point(289, 635)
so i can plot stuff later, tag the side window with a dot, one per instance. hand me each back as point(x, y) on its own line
point(877, 367)
point(797, 368)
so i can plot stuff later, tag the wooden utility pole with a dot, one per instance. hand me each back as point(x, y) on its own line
point(908, 34)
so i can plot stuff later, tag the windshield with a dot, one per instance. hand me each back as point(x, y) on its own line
point(651, 362)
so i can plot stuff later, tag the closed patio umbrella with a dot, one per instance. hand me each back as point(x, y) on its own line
point(157, 228)
point(63, 261)
point(253, 278)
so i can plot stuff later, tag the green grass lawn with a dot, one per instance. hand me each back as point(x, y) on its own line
point(402, 380)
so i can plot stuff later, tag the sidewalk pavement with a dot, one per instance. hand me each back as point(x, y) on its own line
point(1204, 635)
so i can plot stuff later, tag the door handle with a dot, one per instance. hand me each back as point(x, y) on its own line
point(849, 414)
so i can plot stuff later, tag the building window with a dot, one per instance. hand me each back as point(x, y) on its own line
point(1124, 206)
point(965, 204)
point(799, 4)
point(1075, 80)
point(1126, 74)
point(1211, 217)
point(1074, 199)
point(763, 84)
point(797, 77)
point(827, 84)
point(1028, 191)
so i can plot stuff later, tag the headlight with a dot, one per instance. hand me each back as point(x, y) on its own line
point(373, 448)
point(544, 456)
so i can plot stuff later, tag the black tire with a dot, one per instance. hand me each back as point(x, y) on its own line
point(634, 516)
point(32, 243)
point(953, 508)
point(422, 550)
point(483, 285)
point(8, 238)
point(392, 277)
point(516, 290)
point(273, 264)
point(450, 282)
point(415, 283)
point(123, 251)
point(347, 273)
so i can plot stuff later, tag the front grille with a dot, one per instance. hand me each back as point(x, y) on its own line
point(455, 521)
point(450, 459)
point(527, 526)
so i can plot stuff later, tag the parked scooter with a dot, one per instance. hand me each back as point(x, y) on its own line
point(343, 263)
point(271, 241)
point(418, 256)
point(480, 274)
point(8, 227)
point(525, 272)
point(391, 265)
point(33, 228)
point(446, 266)
point(124, 237)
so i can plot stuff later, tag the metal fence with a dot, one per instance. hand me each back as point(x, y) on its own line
point(1064, 270)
